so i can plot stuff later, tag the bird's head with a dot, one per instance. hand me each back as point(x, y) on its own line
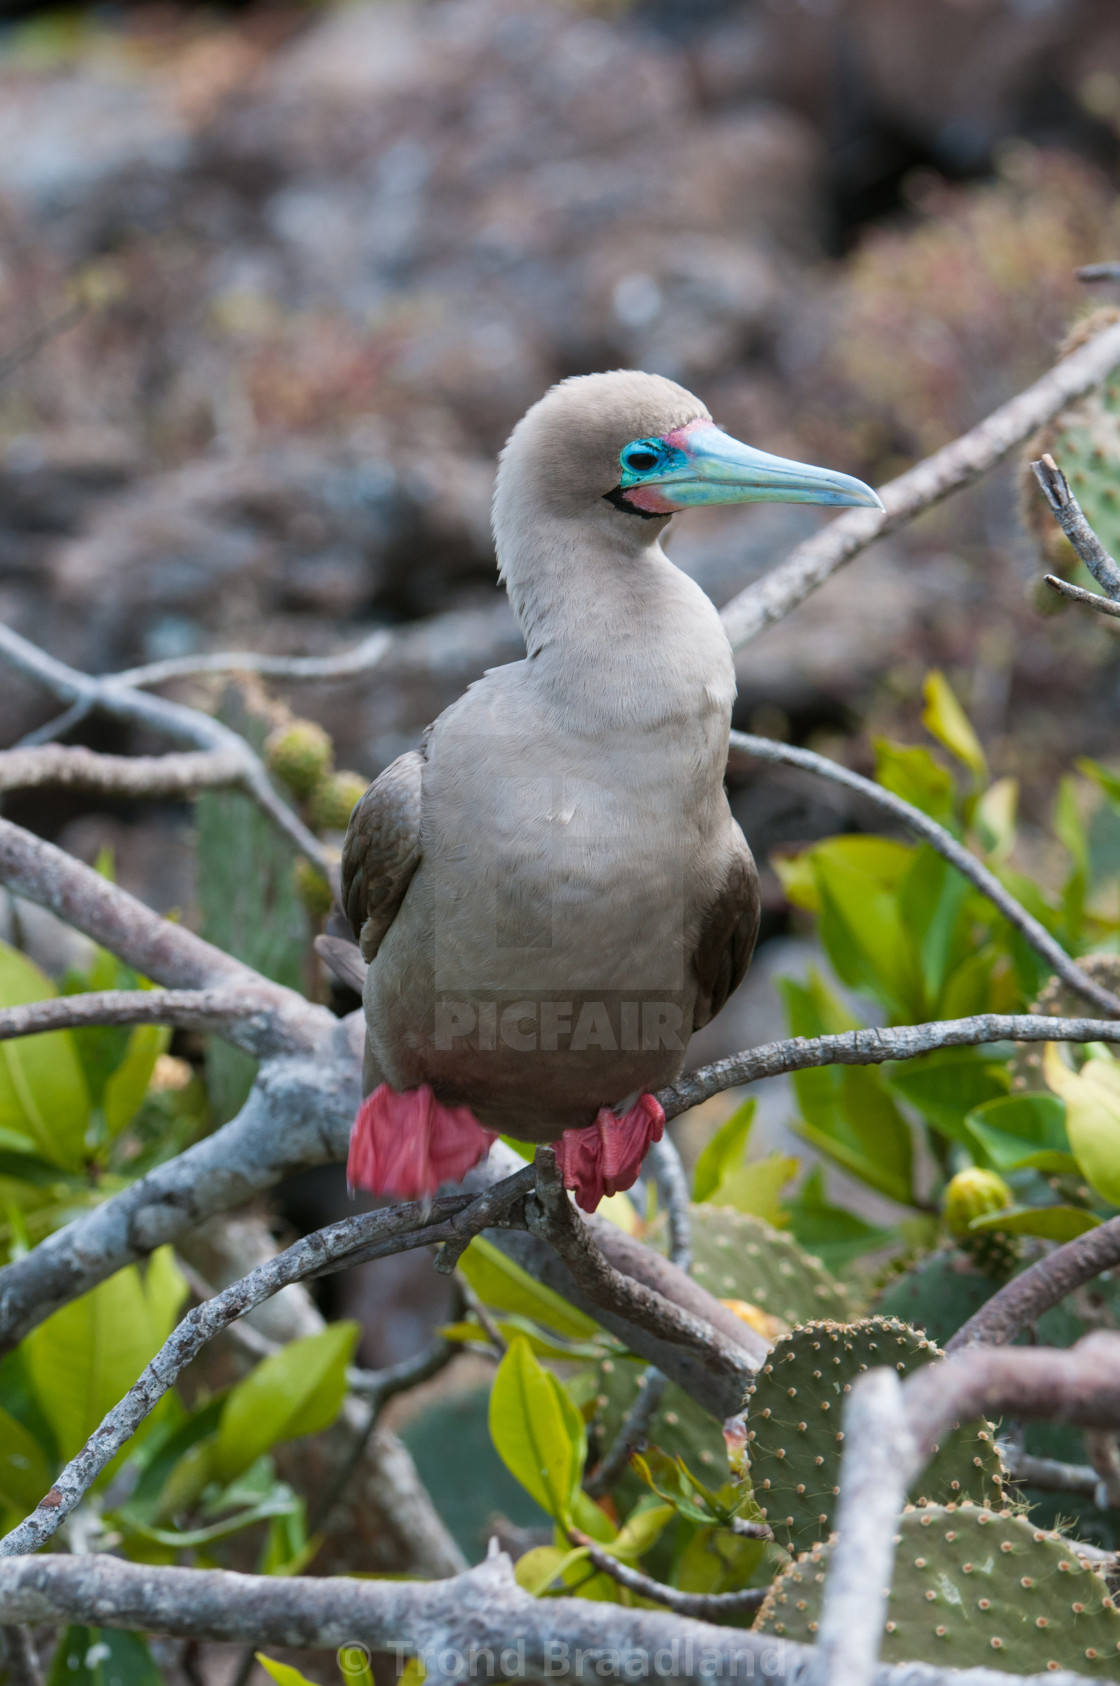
point(635, 448)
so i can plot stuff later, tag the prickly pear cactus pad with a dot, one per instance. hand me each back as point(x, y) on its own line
point(794, 1425)
point(973, 1587)
point(738, 1257)
point(680, 1426)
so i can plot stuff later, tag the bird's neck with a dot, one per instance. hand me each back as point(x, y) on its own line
point(618, 635)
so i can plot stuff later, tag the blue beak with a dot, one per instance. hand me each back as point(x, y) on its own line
point(702, 465)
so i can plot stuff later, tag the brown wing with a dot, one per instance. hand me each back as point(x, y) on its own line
point(727, 935)
point(382, 851)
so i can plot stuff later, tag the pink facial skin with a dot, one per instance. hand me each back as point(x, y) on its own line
point(652, 499)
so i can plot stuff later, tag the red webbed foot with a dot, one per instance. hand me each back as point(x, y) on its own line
point(406, 1145)
point(605, 1157)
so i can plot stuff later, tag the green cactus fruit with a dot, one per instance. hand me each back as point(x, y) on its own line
point(794, 1425)
point(936, 1294)
point(974, 1193)
point(738, 1257)
point(972, 1588)
point(333, 800)
point(314, 891)
point(1084, 441)
point(299, 753)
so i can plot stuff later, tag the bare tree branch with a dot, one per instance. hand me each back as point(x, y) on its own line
point(350, 1241)
point(1023, 1300)
point(1070, 517)
point(767, 749)
point(955, 465)
point(890, 1432)
point(1077, 594)
point(73, 767)
point(186, 725)
point(156, 947)
point(705, 1606)
point(347, 664)
point(475, 1616)
point(216, 1010)
point(876, 1045)
point(552, 1217)
point(1049, 1475)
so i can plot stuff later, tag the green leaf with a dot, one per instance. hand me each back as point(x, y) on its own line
point(43, 1092)
point(126, 1087)
point(502, 1284)
point(103, 1656)
point(932, 899)
point(298, 1390)
point(86, 1356)
point(918, 777)
point(944, 1088)
point(757, 1187)
point(25, 1475)
point(724, 1151)
point(1053, 1223)
point(537, 1431)
point(283, 1673)
point(945, 719)
point(1092, 1098)
point(642, 1529)
point(868, 1136)
point(537, 1570)
point(861, 923)
point(994, 818)
point(1019, 1131)
point(831, 1232)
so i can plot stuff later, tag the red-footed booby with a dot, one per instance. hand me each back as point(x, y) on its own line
point(551, 893)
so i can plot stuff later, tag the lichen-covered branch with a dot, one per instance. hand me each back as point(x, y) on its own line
point(1070, 517)
point(955, 465)
point(1078, 594)
point(346, 664)
point(766, 749)
point(474, 1617)
point(72, 767)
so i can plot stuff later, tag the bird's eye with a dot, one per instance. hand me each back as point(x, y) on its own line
point(640, 459)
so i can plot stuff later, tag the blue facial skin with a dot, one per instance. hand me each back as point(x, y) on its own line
point(701, 465)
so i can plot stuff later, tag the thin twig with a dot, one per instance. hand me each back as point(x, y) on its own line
point(1070, 517)
point(1049, 1475)
point(664, 1162)
point(359, 659)
point(72, 767)
point(875, 1045)
point(175, 720)
point(20, 1657)
point(704, 1606)
point(221, 1011)
point(767, 749)
point(58, 727)
point(955, 465)
point(1078, 594)
point(1022, 1301)
point(489, 1209)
